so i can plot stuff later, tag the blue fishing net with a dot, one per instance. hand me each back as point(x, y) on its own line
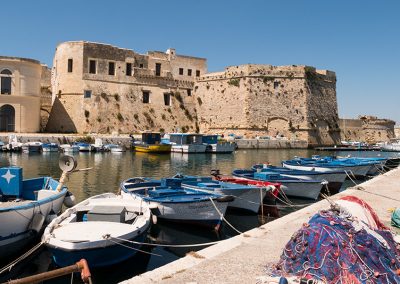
point(330, 249)
point(396, 218)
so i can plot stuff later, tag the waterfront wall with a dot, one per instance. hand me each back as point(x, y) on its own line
point(368, 129)
point(271, 144)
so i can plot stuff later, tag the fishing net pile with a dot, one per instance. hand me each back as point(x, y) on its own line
point(345, 244)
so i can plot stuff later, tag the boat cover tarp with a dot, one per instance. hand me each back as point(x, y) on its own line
point(342, 245)
point(396, 218)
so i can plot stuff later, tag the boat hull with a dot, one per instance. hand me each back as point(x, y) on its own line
point(16, 225)
point(192, 148)
point(246, 199)
point(162, 148)
point(356, 170)
point(100, 256)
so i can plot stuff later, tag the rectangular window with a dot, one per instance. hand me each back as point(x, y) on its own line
point(92, 66)
point(197, 73)
point(276, 85)
point(87, 94)
point(111, 68)
point(180, 71)
point(146, 97)
point(189, 92)
point(167, 99)
point(141, 65)
point(128, 69)
point(158, 69)
point(189, 72)
point(70, 65)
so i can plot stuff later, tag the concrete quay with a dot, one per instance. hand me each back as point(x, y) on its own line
point(244, 258)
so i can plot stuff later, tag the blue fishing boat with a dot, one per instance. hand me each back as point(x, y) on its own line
point(352, 167)
point(98, 229)
point(25, 207)
point(83, 147)
point(291, 186)
point(245, 197)
point(171, 201)
point(50, 147)
point(335, 179)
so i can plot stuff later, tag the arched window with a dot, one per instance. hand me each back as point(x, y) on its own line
point(7, 118)
point(5, 82)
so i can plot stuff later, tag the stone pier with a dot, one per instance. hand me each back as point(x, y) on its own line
point(243, 258)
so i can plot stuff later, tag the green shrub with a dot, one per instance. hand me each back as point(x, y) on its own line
point(120, 117)
point(234, 82)
point(199, 101)
point(87, 113)
point(86, 139)
point(116, 97)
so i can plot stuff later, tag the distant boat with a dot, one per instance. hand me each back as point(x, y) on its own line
point(25, 206)
point(67, 148)
point(391, 147)
point(151, 143)
point(290, 186)
point(95, 229)
point(335, 179)
point(217, 146)
point(13, 144)
point(83, 147)
point(173, 202)
point(50, 147)
point(186, 143)
point(97, 146)
point(32, 147)
point(114, 148)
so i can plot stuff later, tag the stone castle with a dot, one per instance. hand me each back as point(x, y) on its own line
point(100, 88)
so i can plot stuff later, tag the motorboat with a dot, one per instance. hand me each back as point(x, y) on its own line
point(151, 143)
point(290, 186)
point(50, 147)
point(99, 229)
point(186, 143)
point(68, 148)
point(32, 147)
point(335, 179)
point(175, 203)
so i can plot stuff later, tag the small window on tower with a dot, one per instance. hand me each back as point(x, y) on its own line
point(92, 66)
point(189, 72)
point(146, 97)
point(128, 69)
point(111, 68)
point(70, 65)
point(87, 94)
point(180, 71)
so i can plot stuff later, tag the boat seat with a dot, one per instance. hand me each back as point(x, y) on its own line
point(107, 213)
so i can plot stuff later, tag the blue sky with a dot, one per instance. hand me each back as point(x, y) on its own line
point(359, 40)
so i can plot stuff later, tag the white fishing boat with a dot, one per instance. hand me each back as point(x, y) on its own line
point(170, 201)
point(391, 146)
point(13, 144)
point(68, 148)
point(186, 143)
point(114, 148)
point(97, 229)
point(32, 147)
point(25, 207)
point(98, 145)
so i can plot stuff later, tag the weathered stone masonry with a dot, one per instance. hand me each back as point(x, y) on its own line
point(104, 101)
point(298, 102)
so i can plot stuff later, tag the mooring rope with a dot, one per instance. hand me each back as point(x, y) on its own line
point(347, 173)
point(223, 218)
point(22, 257)
point(108, 238)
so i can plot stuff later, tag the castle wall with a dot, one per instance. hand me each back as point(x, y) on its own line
point(115, 103)
point(368, 129)
point(265, 100)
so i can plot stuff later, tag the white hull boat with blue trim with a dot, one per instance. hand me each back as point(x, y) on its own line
point(98, 229)
point(25, 207)
point(172, 202)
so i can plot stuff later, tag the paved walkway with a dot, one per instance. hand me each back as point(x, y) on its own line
point(243, 258)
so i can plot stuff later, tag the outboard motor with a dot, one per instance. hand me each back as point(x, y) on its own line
point(215, 172)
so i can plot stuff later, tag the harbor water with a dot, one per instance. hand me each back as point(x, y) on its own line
point(110, 169)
